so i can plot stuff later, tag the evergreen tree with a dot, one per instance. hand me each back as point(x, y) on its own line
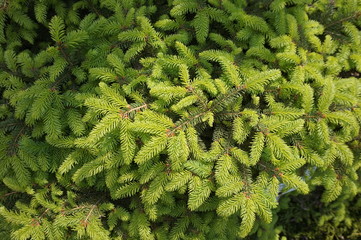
point(178, 119)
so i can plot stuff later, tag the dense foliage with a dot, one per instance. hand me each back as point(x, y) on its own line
point(180, 119)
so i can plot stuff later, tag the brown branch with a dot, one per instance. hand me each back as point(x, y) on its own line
point(231, 113)
point(91, 5)
point(64, 212)
point(235, 91)
point(91, 210)
point(8, 194)
point(4, 5)
point(15, 141)
point(65, 55)
point(85, 221)
point(42, 215)
point(126, 114)
point(171, 132)
point(192, 90)
point(356, 15)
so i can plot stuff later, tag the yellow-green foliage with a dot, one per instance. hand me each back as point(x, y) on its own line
point(177, 119)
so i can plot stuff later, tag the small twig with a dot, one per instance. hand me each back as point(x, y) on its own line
point(8, 194)
point(93, 8)
point(356, 15)
point(63, 212)
point(4, 5)
point(91, 210)
point(191, 89)
point(42, 215)
point(15, 141)
point(231, 113)
point(187, 121)
point(126, 114)
point(65, 55)
point(85, 221)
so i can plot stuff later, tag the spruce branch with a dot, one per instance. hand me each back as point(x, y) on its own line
point(355, 16)
point(216, 107)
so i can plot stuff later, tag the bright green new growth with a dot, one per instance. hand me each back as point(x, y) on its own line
point(136, 119)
